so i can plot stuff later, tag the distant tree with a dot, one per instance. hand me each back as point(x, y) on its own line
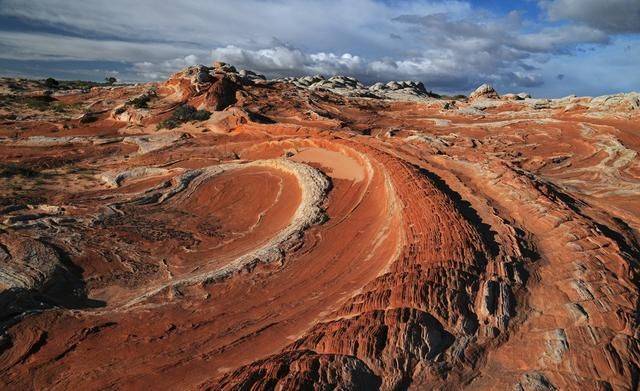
point(110, 80)
point(51, 83)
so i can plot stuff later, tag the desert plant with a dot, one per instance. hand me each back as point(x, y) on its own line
point(169, 123)
point(201, 115)
point(38, 102)
point(140, 102)
point(9, 170)
point(88, 117)
point(51, 83)
point(184, 113)
point(59, 107)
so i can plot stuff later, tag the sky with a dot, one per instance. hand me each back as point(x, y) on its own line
point(548, 48)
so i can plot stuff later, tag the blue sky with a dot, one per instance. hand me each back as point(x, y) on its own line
point(545, 47)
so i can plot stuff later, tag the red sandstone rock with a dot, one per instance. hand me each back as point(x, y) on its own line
point(301, 239)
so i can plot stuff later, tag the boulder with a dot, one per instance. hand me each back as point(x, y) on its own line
point(485, 91)
point(393, 85)
point(221, 67)
point(377, 87)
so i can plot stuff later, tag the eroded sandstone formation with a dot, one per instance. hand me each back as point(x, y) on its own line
point(315, 233)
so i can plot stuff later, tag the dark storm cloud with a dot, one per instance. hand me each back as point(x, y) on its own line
point(612, 16)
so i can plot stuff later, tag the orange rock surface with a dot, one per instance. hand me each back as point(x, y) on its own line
point(301, 238)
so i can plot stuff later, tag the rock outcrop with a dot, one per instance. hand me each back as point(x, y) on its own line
point(485, 91)
point(349, 86)
point(519, 96)
point(204, 87)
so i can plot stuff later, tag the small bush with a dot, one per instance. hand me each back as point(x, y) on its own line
point(168, 124)
point(15, 87)
point(38, 102)
point(182, 114)
point(59, 108)
point(78, 84)
point(140, 102)
point(201, 115)
point(88, 118)
point(41, 103)
point(51, 83)
point(11, 170)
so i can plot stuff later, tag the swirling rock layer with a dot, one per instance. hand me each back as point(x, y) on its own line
point(305, 238)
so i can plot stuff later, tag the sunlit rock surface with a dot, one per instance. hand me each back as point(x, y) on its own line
point(316, 233)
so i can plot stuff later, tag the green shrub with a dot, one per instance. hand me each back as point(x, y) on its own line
point(201, 115)
point(168, 124)
point(38, 102)
point(184, 113)
point(88, 118)
point(59, 107)
point(51, 83)
point(140, 102)
point(15, 87)
point(10, 170)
